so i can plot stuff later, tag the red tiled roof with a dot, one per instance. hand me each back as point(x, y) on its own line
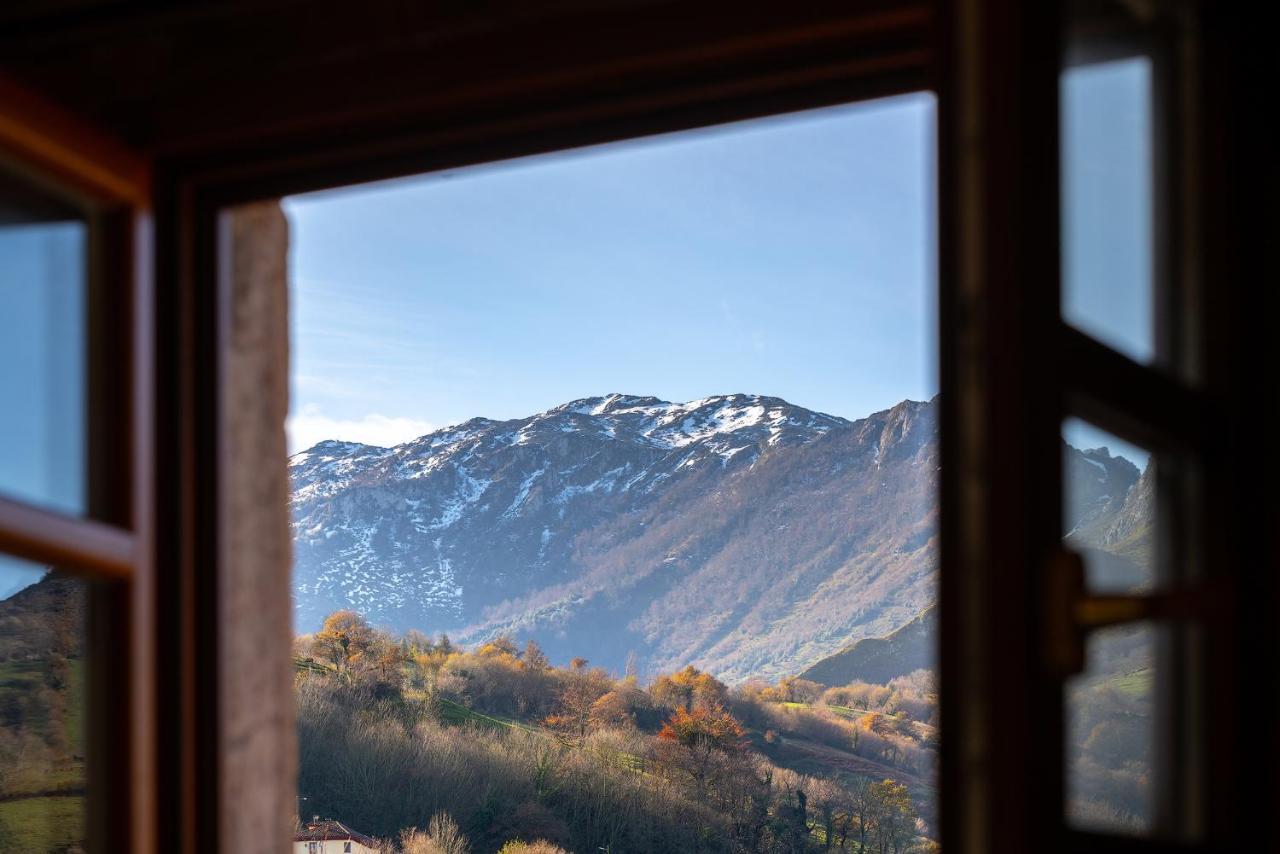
point(331, 831)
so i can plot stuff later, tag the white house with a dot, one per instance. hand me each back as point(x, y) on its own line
point(332, 837)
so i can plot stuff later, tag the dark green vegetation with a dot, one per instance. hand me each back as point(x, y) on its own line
point(397, 734)
point(41, 704)
point(903, 651)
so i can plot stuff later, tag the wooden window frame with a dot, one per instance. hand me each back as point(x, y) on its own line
point(110, 544)
point(1013, 370)
point(1010, 369)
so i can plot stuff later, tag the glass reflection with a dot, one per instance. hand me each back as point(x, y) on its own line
point(43, 246)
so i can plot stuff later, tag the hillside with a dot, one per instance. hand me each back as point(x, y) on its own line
point(879, 660)
point(1109, 511)
point(41, 703)
point(510, 746)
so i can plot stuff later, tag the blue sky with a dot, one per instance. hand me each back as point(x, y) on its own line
point(791, 256)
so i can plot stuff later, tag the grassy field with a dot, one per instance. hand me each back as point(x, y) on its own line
point(456, 713)
point(42, 824)
point(846, 712)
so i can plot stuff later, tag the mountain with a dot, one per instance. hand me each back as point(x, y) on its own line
point(739, 533)
point(1108, 511)
point(1111, 508)
point(42, 631)
point(878, 660)
point(43, 619)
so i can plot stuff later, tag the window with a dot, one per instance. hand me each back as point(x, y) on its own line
point(617, 454)
point(1108, 203)
point(69, 561)
point(1177, 360)
point(1132, 730)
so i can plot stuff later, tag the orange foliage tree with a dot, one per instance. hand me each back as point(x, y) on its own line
point(689, 688)
point(693, 740)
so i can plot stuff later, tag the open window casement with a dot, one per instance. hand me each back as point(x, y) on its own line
point(1084, 294)
point(75, 479)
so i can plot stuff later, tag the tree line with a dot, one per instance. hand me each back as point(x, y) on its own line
point(406, 737)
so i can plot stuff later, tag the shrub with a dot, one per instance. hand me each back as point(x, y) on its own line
point(442, 837)
point(540, 846)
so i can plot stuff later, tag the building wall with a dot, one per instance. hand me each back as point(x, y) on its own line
point(332, 846)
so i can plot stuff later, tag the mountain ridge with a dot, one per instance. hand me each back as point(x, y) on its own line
point(741, 533)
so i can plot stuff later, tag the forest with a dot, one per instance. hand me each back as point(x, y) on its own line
point(435, 748)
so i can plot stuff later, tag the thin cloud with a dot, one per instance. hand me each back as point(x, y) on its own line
point(310, 426)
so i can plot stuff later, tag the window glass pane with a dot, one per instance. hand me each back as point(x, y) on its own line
point(1107, 231)
point(42, 743)
point(1111, 733)
point(42, 348)
point(1109, 508)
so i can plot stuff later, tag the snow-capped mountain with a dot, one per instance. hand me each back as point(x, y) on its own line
point(740, 533)
point(434, 530)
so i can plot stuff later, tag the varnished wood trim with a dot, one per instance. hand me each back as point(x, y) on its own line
point(433, 140)
point(34, 130)
point(79, 546)
point(1142, 404)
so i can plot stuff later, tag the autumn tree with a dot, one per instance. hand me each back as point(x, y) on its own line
point(609, 711)
point(534, 658)
point(499, 646)
point(829, 804)
point(442, 836)
point(389, 658)
point(697, 736)
point(689, 688)
point(790, 821)
point(893, 817)
point(573, 709)
point(343, 640)
point(418, 641)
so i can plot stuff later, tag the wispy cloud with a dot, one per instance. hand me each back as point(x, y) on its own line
point(310, 426)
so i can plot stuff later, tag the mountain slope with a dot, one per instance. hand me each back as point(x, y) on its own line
point(758, 571)
point(42, 629)
point(1108, 511)
point(432, 532)
point(741, 533)
point(878, 660)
